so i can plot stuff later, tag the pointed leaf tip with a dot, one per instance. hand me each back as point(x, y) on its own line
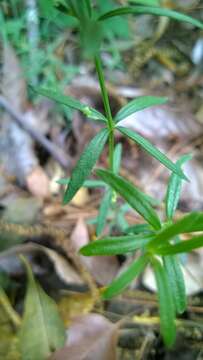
point(152, 150)
point(85, 164)
point(151, 10)
point(126, 277)
point(42, 330)
point(138, 104)
point(135, 197)
point(174, 189)
point(116, 245)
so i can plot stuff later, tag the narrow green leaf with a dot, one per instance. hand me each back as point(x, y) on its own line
point(174, 189)
point(146, 2)
point(152, 150)
point(103, 211)
point(85, 164)
point(88, 183)
point(89, 8)
point(42, 330)
point(157, 11)
point(189, 223)
point(151, 200)
point(121, 222)
point(166, 305)
point(79, 8)
point(140, 103)
point(195, 242)
point(132, 195)
point(176, 280)
point(139, 228)
point(61, 7)
point(116, 245)
point(125, 278)
point(73, 8)
point(60, 15)
point(117, 158)
point(71, 102)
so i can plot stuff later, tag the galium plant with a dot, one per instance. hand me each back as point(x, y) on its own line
point(159, 242)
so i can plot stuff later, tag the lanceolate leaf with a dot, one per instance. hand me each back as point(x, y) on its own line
point(157, 11)
point(88, 183)
point(85, 164)
point(79, 8)
point(103, 211)
point(195, 242)
point(139, 228)
point(89, 9)
point(132, 195)
point(146, 2)
point(71, 102)
point(166, 305)
point(152, 150)
point(117, 158)
point(119, 284)
point(176, 280)
point(62, 8)
point(73, 8)
point(189, 223)
point(42, 331)
point(116, 245)
point(174, 189)
point(140, 103)
point(61, 15)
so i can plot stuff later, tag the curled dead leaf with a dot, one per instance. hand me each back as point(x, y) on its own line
point(63, 268)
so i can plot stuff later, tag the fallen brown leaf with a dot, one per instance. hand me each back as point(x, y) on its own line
point(37, 183)
point(163, 122)
point(90, 337)
point(63, 268)
point(81, 198)
point(102, 268)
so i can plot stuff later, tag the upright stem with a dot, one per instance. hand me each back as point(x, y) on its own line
point(107, 108)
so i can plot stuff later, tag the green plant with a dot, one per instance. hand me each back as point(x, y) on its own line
point(158, 242)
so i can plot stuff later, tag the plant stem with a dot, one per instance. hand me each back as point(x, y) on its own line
point(107, 108)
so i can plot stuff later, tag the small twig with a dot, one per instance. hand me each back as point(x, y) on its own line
point(57, 153)
point(154, 321)
point(86, 276)
point(146, 346)
point(150, 300)
point(12, 314)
